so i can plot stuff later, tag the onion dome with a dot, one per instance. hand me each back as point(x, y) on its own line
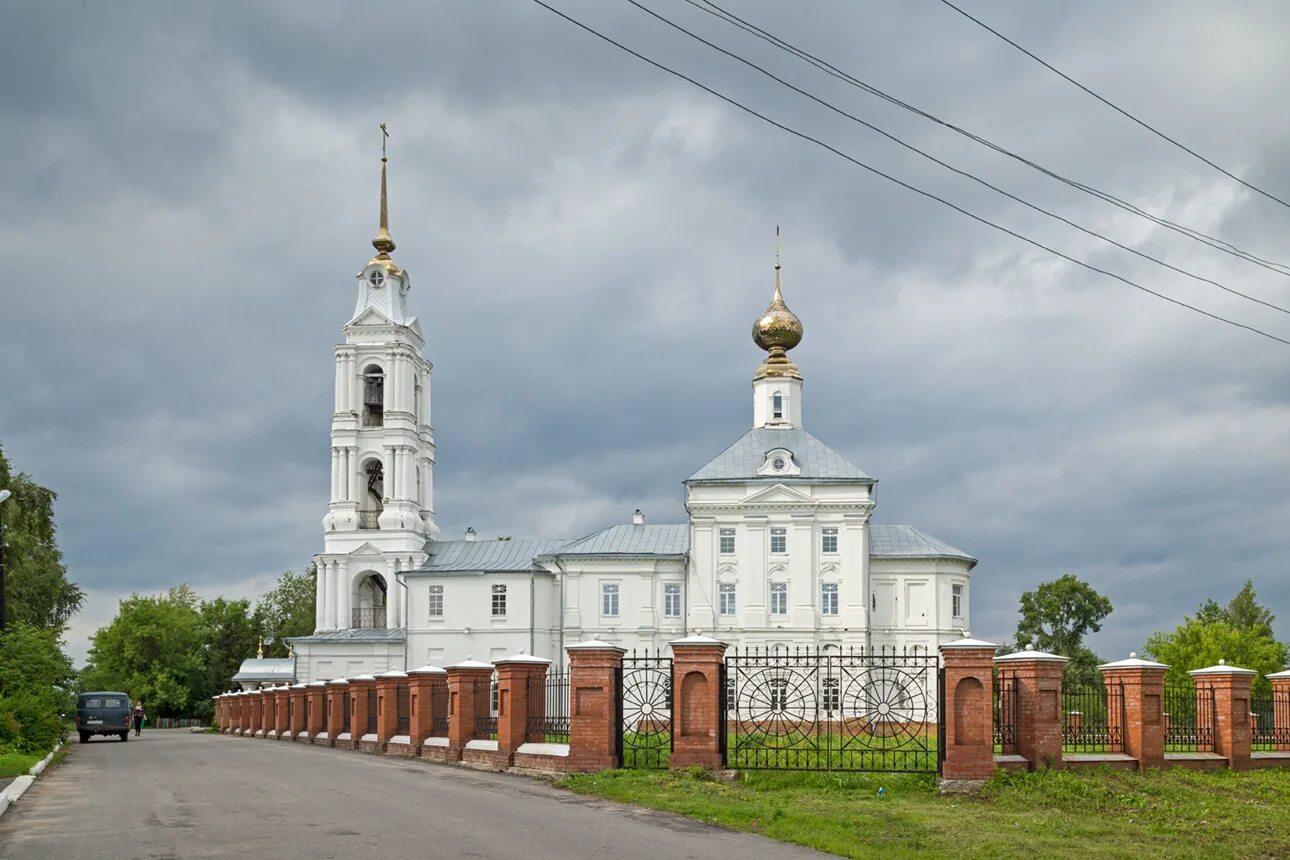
point(777, 331)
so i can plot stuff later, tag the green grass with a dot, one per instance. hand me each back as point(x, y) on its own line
point(16, 764)
point(1089, 813)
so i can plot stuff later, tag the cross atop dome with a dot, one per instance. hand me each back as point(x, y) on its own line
point(383, 243)
point(777, 331)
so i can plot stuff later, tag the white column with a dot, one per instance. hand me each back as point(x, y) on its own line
point(340, 581)
point(320, 596)
point(351, 380)
point(392, 615)
point(394, 391)
point(388, 466)
point(340, 382)
point(335, 474)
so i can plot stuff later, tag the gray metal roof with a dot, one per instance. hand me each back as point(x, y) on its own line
point(267, 669)
point(633, 540)
point(909, 542)
point(353, 635)
point(740, 462)
point(472, 556)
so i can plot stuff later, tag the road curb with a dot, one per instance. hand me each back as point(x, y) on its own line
point(19, 786)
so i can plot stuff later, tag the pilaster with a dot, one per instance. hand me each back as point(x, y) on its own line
point(696, 710)
point(1143, 686)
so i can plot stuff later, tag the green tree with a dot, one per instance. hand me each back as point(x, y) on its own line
point(287, 610)
point(153, 650)
point(1240, 633)
point(36, 680)
point(37, 589)
point(230, 636)
point(1056, 617)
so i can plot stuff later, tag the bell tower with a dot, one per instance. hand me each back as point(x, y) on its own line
point(382, 447)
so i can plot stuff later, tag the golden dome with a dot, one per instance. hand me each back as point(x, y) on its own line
point(777, 331)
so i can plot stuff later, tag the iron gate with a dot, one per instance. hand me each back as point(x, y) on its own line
point(644, 699)
point(832, 710)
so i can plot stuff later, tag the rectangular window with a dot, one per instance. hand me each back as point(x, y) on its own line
point(957, 600)
point(609, 599)
point(830, 695)
point(727, 541)
point(499, 601)
point(779, 598)
point(829, 598)
point(672, 600)
point(726, 593)
point(436, 601)
point(828, 541)
point(779, 541)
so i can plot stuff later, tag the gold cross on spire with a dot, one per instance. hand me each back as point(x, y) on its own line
point(385, 135)
point(383, 243)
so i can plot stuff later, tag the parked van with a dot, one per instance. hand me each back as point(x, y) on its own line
point(104, 713)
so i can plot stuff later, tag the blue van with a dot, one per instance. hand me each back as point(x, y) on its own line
point(105, 713)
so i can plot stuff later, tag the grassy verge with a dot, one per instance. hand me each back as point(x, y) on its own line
point(16, 764)
point(1097, 813)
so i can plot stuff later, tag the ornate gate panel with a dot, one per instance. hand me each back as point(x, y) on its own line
point(832, 710)
point(645, 711)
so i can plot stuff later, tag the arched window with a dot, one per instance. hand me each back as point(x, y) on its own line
point(373, 396)
point(369, 516)
point(777, 406)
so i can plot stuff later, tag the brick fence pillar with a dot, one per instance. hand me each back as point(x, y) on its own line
point(315, 710)
point(423, 685)
point(387, 712)
point(261, 705)
point(594, 667)
point(968, 710)
point(1280, 710)
point(245, 709)
point(296, 726)
point(360, 712)
point(338, 734)
point(696, 702)
point(1230, 686)
point(1038, 678)
point(281, 716)
point(516, 677)
point(462, 707)
point(1143, 684)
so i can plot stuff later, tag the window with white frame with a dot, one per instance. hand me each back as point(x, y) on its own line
point(828, 598)
point(726, 598)
point(956, 600)
point(831, 695)
point(609, 599)
point(672, 600)
point(829, 541)
point(727, 541)
point(779, 598)
point(499, 601)
point(436, 601)
point(777, 406)
point(779, 540)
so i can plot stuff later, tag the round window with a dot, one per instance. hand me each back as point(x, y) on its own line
point(777, 464)
point(377, 278)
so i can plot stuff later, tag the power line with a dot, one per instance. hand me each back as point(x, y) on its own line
point(1115, 107)
point(952, 168)
point(731, 18)
point(901, 183)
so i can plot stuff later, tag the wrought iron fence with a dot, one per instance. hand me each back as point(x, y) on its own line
point(1005, 713)
point(548, 699)
point(291, 709)
point(176, 723)
point(1270, 721)
point(439, 711)
point(371, 710)
point(368, 619)
point(1189, 718)
point(644, 697)
point(1093, 718)
point(486, 708)
point(855, 710)
point(345, 708)
point(402, 709)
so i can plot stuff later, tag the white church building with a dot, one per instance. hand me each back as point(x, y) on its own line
point(779, 548)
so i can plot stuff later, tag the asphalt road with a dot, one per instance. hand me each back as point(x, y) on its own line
point(171, 794)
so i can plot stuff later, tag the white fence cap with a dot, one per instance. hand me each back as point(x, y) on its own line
point(393, 673)
point(1134, 662)
point(1279, 675)
point(1030, 654)
point(428, 670)
point(594, 645)
point(1221, 668)
point(468, 663)
point(521, 657)
point(969, 643)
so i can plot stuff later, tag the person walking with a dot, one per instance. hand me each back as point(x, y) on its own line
point(137, 716)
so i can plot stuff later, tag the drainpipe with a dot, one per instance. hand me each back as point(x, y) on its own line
point(398, 577)
point(560, 635)
point(532, 610)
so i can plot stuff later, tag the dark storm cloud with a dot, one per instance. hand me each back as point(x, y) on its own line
point(190, 188)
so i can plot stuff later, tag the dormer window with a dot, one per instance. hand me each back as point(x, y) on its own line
point(373, 396)
point(779, 463)
point(777, 406)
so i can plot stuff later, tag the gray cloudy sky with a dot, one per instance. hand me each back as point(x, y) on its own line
point(189, 189)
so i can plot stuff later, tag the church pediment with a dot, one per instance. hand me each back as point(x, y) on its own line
point(366, 549)
point(779, 494)
point(371, 316)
